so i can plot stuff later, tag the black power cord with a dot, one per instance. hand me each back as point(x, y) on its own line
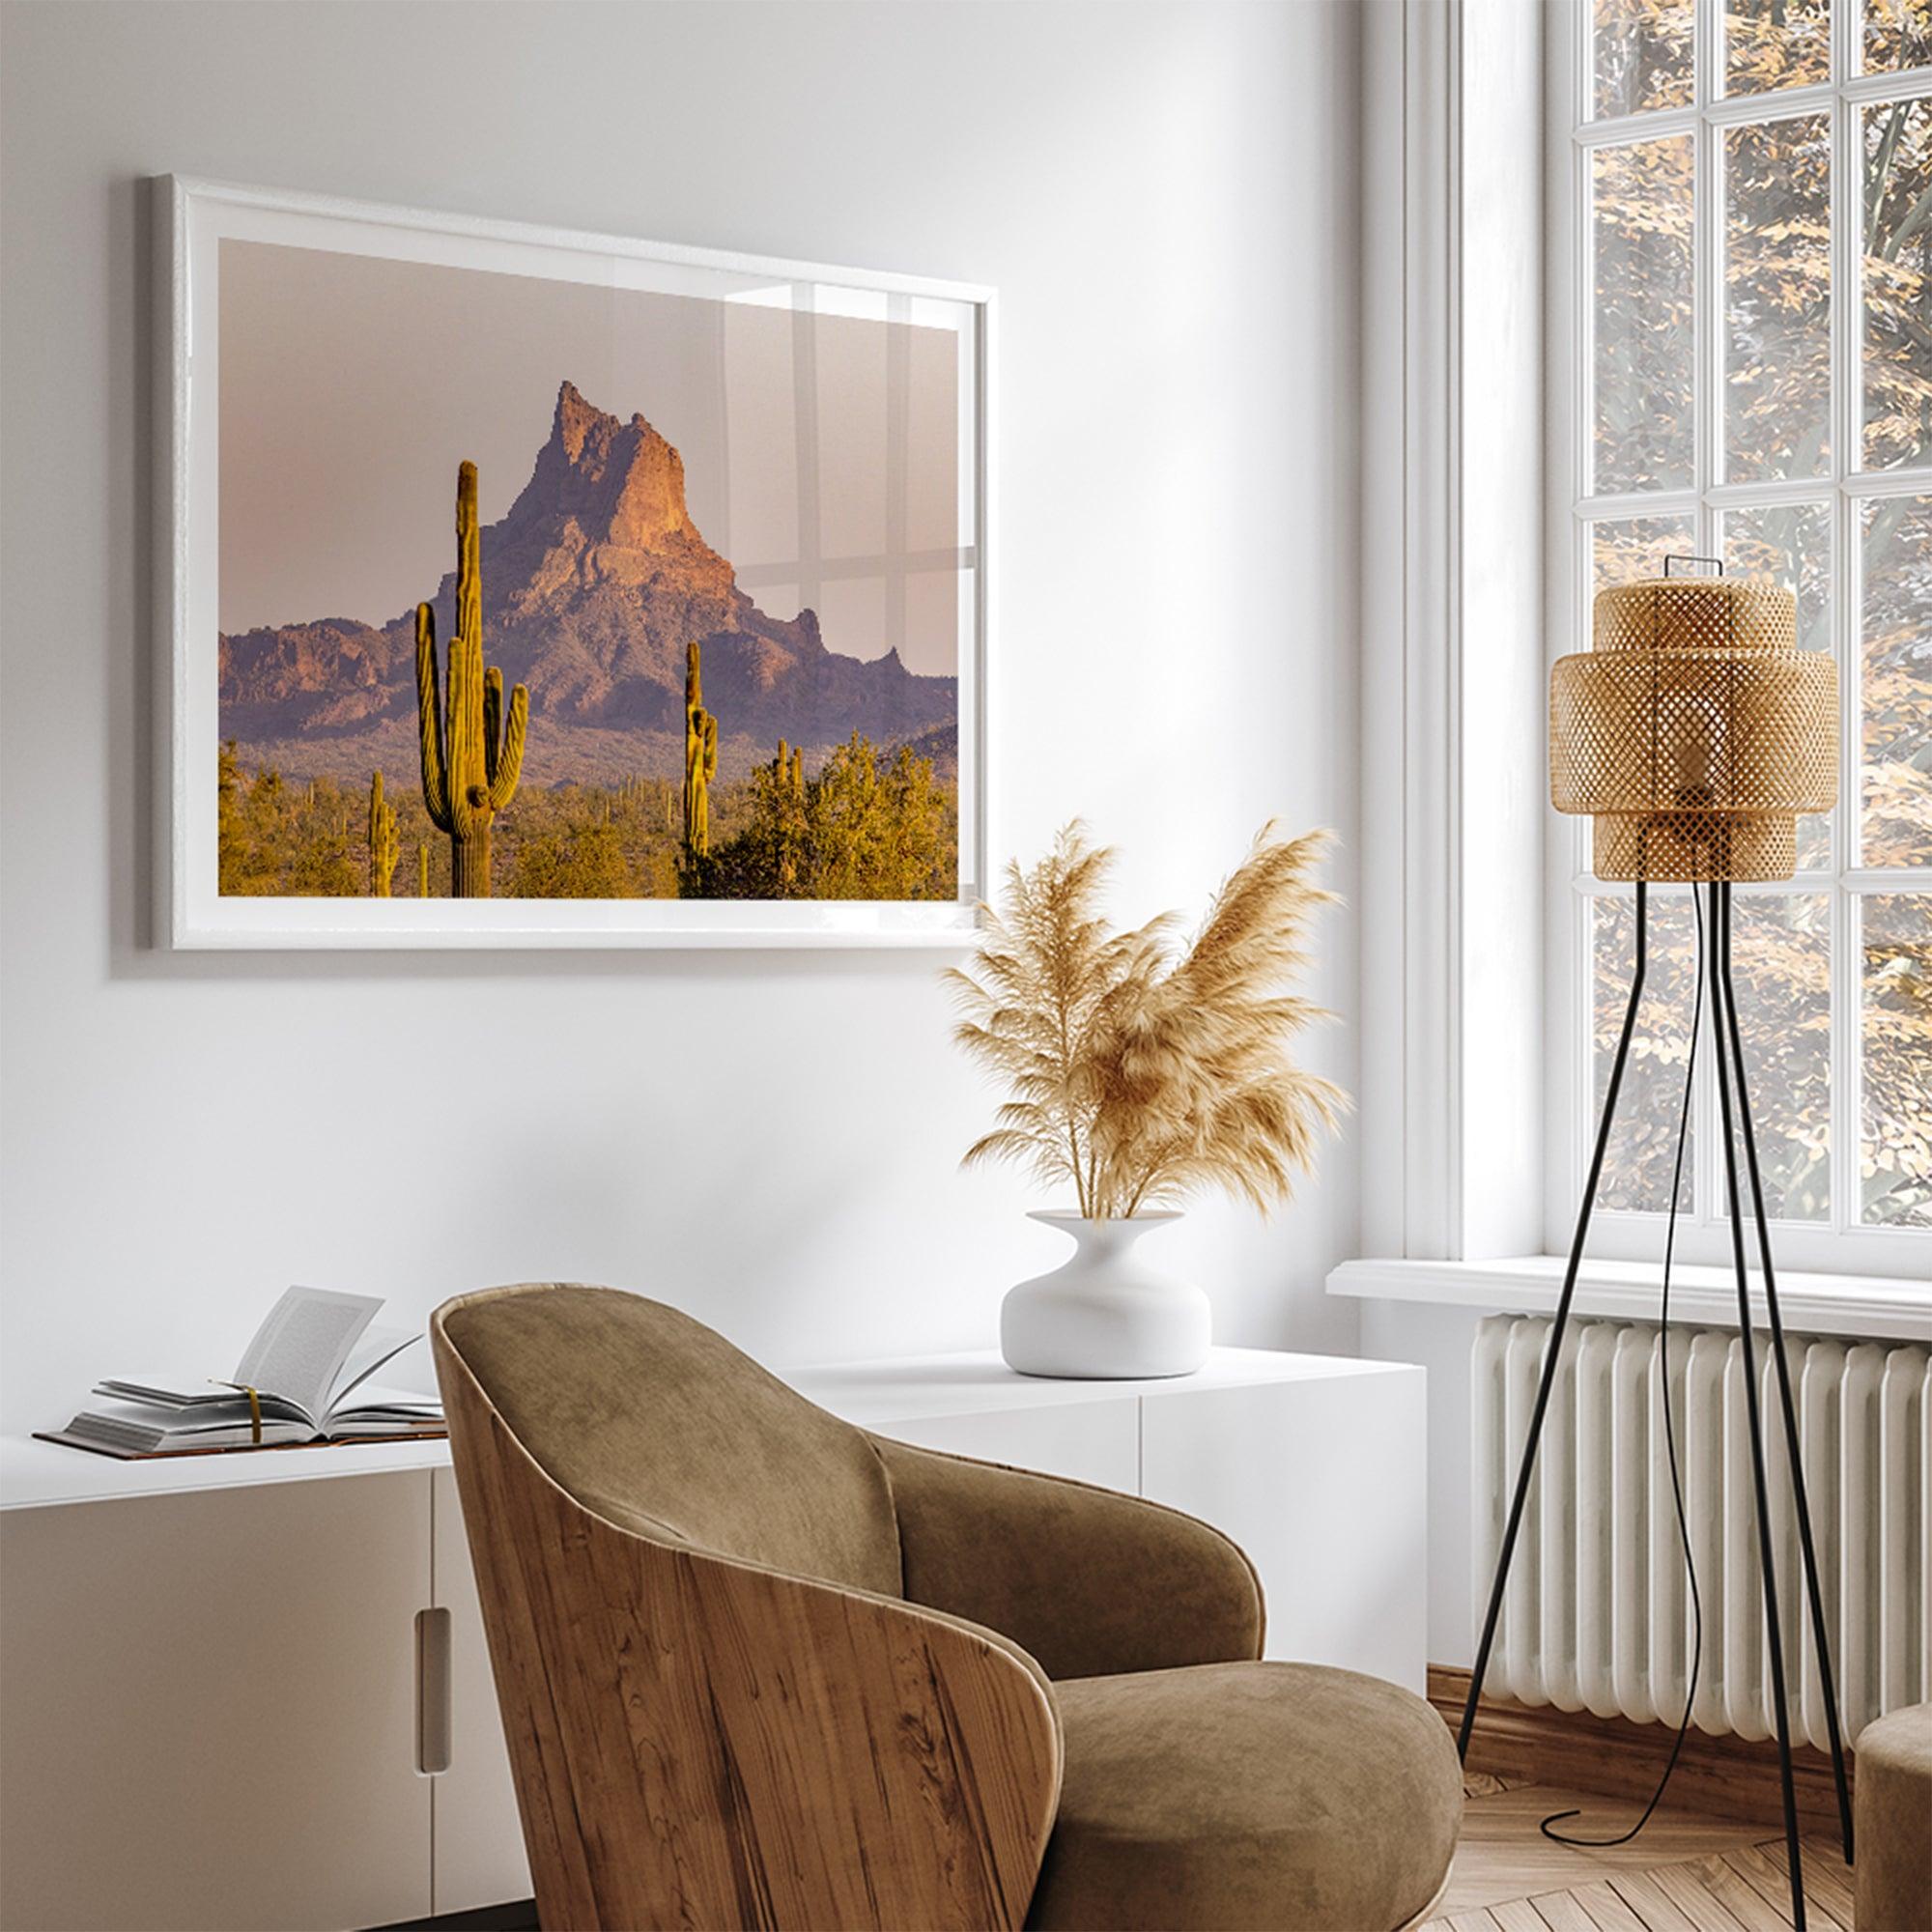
point(1669, 1437)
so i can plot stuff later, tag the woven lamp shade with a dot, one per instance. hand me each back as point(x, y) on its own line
point(1695, 731)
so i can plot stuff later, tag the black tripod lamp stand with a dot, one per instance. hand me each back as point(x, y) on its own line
point(1693, 734)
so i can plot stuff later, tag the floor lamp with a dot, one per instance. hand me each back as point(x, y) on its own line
point(1693, 734)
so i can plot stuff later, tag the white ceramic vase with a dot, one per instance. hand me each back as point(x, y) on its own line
point(1104, 1314)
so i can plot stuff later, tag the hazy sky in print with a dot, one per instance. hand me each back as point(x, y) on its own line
point(352, 387)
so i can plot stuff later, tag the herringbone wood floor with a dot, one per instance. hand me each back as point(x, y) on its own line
point(1685, 1872)
point(1689, 1872)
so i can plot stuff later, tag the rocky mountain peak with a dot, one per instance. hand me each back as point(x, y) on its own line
point(621, 483)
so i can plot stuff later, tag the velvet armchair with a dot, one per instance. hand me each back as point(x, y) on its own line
point(759, 1667)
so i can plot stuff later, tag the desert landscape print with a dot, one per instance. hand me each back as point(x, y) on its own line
point(583, 696)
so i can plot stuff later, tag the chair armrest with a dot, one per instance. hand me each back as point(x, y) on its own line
point(1089, 1581)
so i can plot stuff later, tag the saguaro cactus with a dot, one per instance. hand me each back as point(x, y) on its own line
point(470, 762)
point(384, 845)
point(787, 817)
point(700, 757)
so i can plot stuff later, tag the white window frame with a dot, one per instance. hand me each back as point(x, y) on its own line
point(1845, 1244)
point(1470, 1038)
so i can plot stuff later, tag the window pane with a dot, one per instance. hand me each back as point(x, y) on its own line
point(1624, 548)
point(1776, 43)
point(1897, 216)
point(1642, 54)
point(1641, 311)
point(1777, 298)
point(1643, 1138)
point(1895, 1154)
point(1781, 966)
point(1790, 544)
point(1898, 32)
point(1897, 695)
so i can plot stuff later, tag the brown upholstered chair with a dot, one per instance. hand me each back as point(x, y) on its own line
point(759, 1667)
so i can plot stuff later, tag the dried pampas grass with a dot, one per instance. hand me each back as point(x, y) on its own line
point(1139, 1072)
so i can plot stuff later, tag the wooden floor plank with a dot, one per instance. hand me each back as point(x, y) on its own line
point(1653, 1905)
point(1687, 1891)
point(1607, 1912)
point(1744, 1902)
point(1773, 1885)
point(1827, 1878)
point(1471, 1921)
point(1517, 1914)
point(1561, 1913)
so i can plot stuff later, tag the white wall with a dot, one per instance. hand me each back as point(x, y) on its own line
point(1166, 198)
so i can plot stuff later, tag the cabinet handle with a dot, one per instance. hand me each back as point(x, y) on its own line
point(432, 1691)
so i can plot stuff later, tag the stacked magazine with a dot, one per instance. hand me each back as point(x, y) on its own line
point(305, 1377)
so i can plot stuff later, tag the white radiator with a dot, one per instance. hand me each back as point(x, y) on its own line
point(1597, 1616)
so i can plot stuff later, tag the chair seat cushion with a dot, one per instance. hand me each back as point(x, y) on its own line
point(1232, 1796)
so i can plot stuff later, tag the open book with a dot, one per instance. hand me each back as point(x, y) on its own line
point(309, 1368)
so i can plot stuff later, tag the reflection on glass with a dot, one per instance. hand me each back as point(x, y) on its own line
point(1777, 298)
point(1790, 544)
point(1895, 1145)
point(1898, 32)
point(1641, 221)
point(1643, 1138)
point(1771, 44)
point(1781, 966)
point(1896, 685)
point(1896, 213)
point(858, 375)
point(1640, 54)
point(1624, 548)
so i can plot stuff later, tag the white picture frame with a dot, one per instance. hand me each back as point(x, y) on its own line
point(190, 219)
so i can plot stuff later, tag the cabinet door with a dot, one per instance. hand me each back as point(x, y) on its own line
point(1092, 1442)
point(1322, 1481)
point(479, 1839)
point(210, 1709)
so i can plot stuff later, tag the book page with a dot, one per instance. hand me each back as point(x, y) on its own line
point(378, 1347)
point(299, 1351)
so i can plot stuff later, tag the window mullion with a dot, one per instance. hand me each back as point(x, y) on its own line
point(1738, 109)
point(1847, 398)
point(1580, 913)
point(1847, 987)
point(1707, 396)
point(1757, 495)
point(1869, 484)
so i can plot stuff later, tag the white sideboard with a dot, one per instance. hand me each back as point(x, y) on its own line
point(221, 1678)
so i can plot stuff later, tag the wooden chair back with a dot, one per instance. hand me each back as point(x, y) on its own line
point(698, 1736)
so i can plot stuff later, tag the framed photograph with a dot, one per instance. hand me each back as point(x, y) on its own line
point(524, 587)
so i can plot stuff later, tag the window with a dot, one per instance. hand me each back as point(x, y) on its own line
point(1746, 236)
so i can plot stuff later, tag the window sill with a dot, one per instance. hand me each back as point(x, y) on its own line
point(1811, 1304)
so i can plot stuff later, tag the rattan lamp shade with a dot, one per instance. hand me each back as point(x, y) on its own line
point(1695, 731)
